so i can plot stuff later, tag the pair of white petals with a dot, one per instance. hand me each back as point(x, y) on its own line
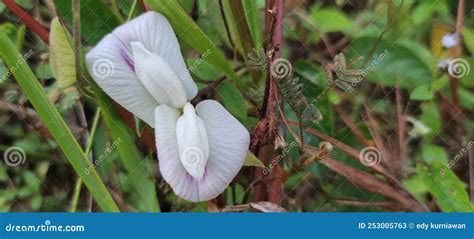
point(139, 65)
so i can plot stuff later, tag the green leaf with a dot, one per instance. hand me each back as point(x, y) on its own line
point(446, 187)
point(422, 92)
point(32, 184)
point(139, 176)
point(310, 72)
point(239, 193)
point(35, 202)
point(3, 173)
point(61, 56)
point(434, 153)
point(391, 61)
point(97, 19)
point(416, 185)
point(253, 20)
point(56, 125)
point(252, 160)
point(188, 31)
point(43, 71)
point(424, 11)
point(202, 69)
point(139, 125)
point(467, 98)
point(468, 36)
point(233, 100)
point(332, 20)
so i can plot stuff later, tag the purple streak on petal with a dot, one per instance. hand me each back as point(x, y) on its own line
point(127, 60)
point(205, 174)
point(189, 178)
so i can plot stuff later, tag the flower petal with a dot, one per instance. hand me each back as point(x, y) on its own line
point(228, 145)
point(158, 77)
point(168, 154)
point(111, 63)
point(112, 69)
point(155, 32)
point(192, 142)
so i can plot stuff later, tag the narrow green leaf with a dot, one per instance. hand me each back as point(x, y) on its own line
point(391, 61)
point(422, 92)
point(61, 55)
point(433, 153)
point(446, 187)
point(468, 37)
point(253, 20)
point(188, 31)
point(252, 160)
point(56, 125)
point(332, 20)
point(97, 19)
point(232, 26)
point(233, 100)
point(139, 176)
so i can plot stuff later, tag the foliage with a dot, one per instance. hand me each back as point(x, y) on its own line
point(360, 74)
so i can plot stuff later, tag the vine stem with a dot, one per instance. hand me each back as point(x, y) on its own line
point(266, 128)
point(77, 188)
point(29, 21)
point(132, 10)
point(453, 80)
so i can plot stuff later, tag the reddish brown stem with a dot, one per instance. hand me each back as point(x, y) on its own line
point(453, 80)
point(352, 126)
point(266, 129)
point(401, 129)
point(29, 21)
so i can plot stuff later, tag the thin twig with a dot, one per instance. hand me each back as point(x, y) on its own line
point(77, 189)
point(352, 126)
point(453, 80)
point(29, 21)
point(132, 10)
point(226, 25)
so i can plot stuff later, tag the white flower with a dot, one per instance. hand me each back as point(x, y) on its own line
point(443, 64)
point(449, 40)
point(199, 150)
point(419, 128)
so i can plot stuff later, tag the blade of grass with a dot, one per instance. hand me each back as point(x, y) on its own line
point(127, 149)
point(245, 37)
point(77, 189)
point(240, 23)
point(189, 31)
point(56, 125)
point(132, 10)
point(251, 13)
point(129, 153)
